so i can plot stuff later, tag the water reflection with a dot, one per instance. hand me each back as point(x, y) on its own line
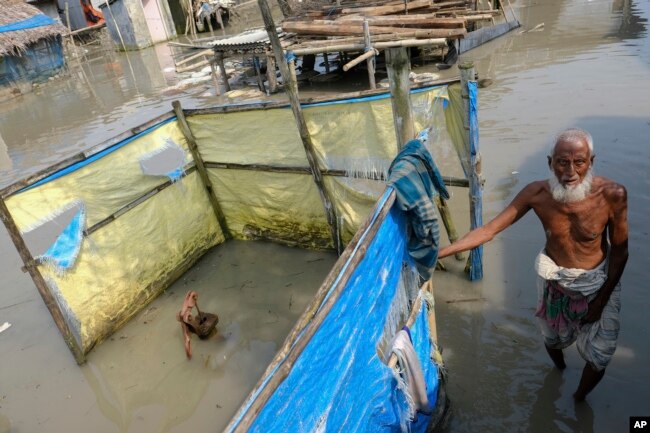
point(548, 416)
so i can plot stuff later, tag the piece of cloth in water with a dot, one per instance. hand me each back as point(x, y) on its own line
point(564, 296)
point(411, 372)
point(416, 180)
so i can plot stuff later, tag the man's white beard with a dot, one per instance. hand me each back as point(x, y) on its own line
point(570, 194)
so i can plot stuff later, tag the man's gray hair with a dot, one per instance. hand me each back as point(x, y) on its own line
point(575, 134)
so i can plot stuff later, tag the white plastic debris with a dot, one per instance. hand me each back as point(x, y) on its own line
point(5, 326)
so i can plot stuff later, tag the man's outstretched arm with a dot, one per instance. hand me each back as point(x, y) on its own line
point(480, 235)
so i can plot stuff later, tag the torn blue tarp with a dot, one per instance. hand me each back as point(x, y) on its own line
point(339, 383)
point(417, 181)
point(63, 253)
point(39, 20)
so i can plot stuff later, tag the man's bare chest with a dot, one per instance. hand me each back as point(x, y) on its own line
point(574, 223)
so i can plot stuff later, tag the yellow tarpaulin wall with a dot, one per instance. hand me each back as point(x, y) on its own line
point(125, 263)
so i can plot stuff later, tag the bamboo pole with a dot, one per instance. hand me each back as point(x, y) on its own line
point(368, 55)
point(258, 73)
point(326, 60)
point(449, 181)
point(222, 67)
point(270, 73)
point(198, 160)
point(81, 156)
point(220, 21)
point(448, 221)
point(41, 285)
point(313, 316)
point(378, 45)
point(291, 88)
point(398, 65)
point(503, 10)
point(333, 28)
point(370, 63)
point(215, 77)
point(133, 204)
point(467, 74)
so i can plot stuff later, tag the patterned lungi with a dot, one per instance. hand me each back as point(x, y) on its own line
point(564, 294)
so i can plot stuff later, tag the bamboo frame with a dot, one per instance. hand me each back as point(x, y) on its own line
point(448, 180)
point(313, 316)
point(291, 88)
point(81, 156)
point(198, 160)
point(41, 285)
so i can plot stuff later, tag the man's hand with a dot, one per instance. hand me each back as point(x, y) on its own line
point(594, 311)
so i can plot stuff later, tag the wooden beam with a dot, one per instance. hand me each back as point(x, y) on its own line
point(291, 89)
point(398, 66)
point(333, 28)
point(198, 160)
point(41, 285)
point(370, 63)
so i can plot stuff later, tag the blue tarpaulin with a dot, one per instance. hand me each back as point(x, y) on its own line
point(63, 253)
point(339, 383)
point(39, 20)
point(476, 255)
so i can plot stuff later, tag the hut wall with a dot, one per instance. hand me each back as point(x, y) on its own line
point(135, 25)
point(40, 61)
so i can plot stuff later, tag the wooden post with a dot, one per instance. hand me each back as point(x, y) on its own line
point(291, 88)
point(40, 283)
point(270, 73)
point(326, 60)
point(474, 262)
point(215, 77)
point(220, 21)
point(258, 72)
point(370, 63)
point(200, 166)
point(397, 63)
point(222, 67)
point(448, 222)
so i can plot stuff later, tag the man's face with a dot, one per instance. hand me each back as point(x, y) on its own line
point(570, 162)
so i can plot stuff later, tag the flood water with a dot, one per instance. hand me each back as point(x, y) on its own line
point(587, 66)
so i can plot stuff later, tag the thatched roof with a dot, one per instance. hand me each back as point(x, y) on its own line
point(12, 11)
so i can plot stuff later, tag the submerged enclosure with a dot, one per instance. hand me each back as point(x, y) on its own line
point(127, 218)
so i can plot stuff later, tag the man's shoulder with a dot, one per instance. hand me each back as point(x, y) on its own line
point(614, 192)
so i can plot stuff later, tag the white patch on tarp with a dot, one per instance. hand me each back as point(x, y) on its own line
point(167, 160)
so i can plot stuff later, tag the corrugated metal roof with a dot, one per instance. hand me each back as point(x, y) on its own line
point(248, 39)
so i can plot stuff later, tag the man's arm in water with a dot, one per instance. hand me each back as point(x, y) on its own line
point(618, 253)
point(511, 214)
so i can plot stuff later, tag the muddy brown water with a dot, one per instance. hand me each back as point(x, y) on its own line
point(587, 66)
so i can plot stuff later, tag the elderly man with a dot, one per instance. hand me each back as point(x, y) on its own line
point(585, 221)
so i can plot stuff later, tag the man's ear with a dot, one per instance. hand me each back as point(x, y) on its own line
point(592, 159)
point(551, 160)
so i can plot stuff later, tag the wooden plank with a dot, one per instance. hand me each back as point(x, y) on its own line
point(424, 20)
point(41, 285)
point(356, 28)
point(198, 160)
point(390, 9)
